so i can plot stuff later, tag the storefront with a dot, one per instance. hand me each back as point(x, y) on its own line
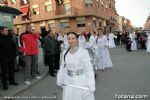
point(6, 16)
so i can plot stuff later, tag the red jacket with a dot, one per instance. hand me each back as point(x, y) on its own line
point(30, 43)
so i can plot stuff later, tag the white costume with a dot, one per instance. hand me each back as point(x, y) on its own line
point(111, 40)
point(102, 53)
point(148, 43)
point(78, 72)
point(133, 44)
point(92, 39)
point(66, 45)
point(60, 37)
point(82, 41)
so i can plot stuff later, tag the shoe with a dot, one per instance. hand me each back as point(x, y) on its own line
point(5, 88)
point(38, 77)
point(27, 82)
point(14, 83)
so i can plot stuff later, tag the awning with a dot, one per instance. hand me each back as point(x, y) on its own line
point(25, 10)
point(10, 10)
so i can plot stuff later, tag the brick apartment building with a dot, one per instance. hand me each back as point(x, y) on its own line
point(65, 15)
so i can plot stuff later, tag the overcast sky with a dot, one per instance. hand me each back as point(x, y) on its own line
point(135, 10)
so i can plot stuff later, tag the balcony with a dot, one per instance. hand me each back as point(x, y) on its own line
point(113, 20)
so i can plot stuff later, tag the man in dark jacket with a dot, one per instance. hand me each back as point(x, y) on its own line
point(7, 55)
point(50, 51)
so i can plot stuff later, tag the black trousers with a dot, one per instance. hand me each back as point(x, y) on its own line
point(7, 70)
point(143, 45)
point(50, 59)
point(57, 61)
point(128, 47)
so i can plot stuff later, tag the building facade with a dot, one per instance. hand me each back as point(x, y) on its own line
point(124, 24)
point(65, 15)
point(147, 24)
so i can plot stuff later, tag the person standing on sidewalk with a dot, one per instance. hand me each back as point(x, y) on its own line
point(50, 47)
point(7, 55)
point(15, 40)
point(30, 53)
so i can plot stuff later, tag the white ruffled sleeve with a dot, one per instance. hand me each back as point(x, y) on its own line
point(89, 72)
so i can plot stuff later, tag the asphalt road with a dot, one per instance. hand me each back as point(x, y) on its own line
point(130, 76)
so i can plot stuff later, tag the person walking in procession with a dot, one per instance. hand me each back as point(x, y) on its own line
point(76, 75)
point(102, 52)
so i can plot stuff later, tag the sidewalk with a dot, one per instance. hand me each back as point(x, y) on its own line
point(13, 90)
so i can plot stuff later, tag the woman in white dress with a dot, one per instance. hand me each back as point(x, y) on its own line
point(111, 40)
point(60, 37)
point(102, 52)
point(76, 75)
point(82, 41)
point(93, 38)
point(65, 42)
point(133, 44)
point(148, 43)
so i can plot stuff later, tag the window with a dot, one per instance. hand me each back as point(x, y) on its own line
point(64, 25)
point(67, 8)
point(36, 11)
point(81, 23)
point(97, 3)
point(23, 2)
point(59, 1)
point(18, 30)
point(51, 26)
point(106, 6)
point(25, 18)
point(101, 3)
point(88, 3)
point(48, 8)
point(109, 5)
point(100, 24)
point(94, 23)
point(66, 1)
point(13, 1)
point(32, 25)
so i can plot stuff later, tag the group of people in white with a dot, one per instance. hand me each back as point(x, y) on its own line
point(148, 43)
point(76, 73)
point(134, 41)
